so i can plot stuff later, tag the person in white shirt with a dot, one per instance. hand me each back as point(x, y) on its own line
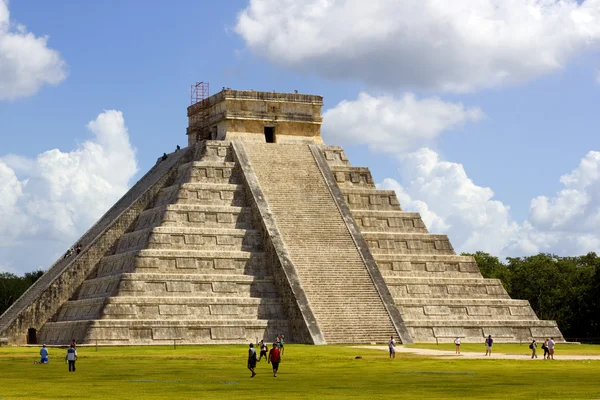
point(457, 343)
point(551, 348)
point(71, 357)
point(392, 346)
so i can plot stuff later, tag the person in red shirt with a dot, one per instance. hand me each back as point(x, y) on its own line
point(274, 358)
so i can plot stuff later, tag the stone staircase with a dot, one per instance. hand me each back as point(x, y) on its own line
point(192, 270)
point(439, 294)
point(346, 304)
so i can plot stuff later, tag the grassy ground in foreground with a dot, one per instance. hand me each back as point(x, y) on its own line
point(323, 372)
point(523, 349)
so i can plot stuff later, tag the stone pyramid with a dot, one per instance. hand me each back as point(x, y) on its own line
point(258, 228)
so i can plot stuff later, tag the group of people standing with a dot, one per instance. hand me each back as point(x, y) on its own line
point(547, 346)
point(273, 357)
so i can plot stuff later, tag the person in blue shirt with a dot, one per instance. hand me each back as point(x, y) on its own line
point(44, 355)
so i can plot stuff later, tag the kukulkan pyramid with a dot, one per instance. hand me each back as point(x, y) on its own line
point(259, 228)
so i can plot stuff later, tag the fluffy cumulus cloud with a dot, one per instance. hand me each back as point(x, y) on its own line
point(567, 222)
point(402, 124)
point(47, 202)
point(451, 203)
point(459, 45)
point(448, 200)
point(26, 62)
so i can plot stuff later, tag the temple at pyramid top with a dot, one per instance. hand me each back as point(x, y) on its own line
point(256, 229)
point(260, 116)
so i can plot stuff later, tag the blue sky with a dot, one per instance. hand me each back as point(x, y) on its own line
point(505, 98)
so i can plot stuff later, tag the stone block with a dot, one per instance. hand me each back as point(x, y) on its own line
point(224, 309)
point(168, 333)
point(186, 263)
point(175, 286)
point(173, 309)
point(224, 287)
point(227, 333)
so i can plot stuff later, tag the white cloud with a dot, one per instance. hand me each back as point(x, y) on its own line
point(565, 224)
point(26, 62)
point(46, 203)
point(452, 203)
point(458, 45)
point(394, 125)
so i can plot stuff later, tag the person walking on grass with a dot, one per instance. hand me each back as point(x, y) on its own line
point(457, 343)
point(44, 355)
point(545, 348)
point(71, 357)
point(551, 348)
point(263, 350)
point(488, 345)
point(281, 344)
point(252, 360)
point(533, 347)
point(274, 358)
point(392, 347)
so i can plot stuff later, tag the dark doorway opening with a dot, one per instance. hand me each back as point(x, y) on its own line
point(31, 336)
point(270, 134)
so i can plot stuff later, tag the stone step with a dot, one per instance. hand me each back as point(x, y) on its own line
point(331, 271)
point(402, 287)
point(464, 309)
point(184, 261)
point(163, 285)
point(170, 308)
point(389, 221)
point(209, 172)
point(196, 215)
point(335, 155)
point(426, 265)
point(222, 194)
point(407, 243)
point(370, 199)
point(215, 150)
point(508, 331)
point(185, 238)
point(136, 332)
point(349, 176)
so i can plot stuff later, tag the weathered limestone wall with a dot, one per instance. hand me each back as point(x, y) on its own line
point(42, 300)
point(238, 114)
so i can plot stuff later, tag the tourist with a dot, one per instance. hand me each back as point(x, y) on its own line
point(164, 156)
point(44, 355)
point(551, 348)
point(263, 350)
point(252, 360)
point(73, 343)
point(545, 348)
point(78, 250)
point(488, 345)
point(533, 347)
point(177, 148)
point(392, 347)
point(457, 343)
point(71, 357)
point(278, 341)
point(281, 344)
point(274, 358)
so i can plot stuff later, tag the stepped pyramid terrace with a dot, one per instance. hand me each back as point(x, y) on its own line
point(257, 228)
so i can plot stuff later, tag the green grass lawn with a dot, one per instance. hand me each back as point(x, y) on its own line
point(560, 349)
point(319, 372)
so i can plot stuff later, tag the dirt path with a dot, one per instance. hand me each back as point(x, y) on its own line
point(474, 355)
